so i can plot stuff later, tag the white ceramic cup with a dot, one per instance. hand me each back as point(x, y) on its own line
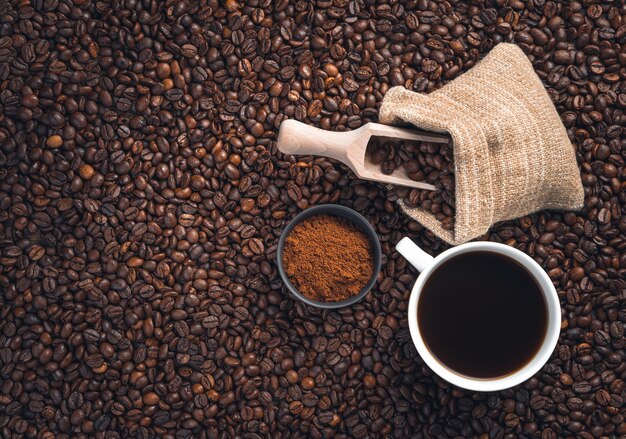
point(426, 264)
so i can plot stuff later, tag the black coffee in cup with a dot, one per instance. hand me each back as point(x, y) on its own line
point(482, 314)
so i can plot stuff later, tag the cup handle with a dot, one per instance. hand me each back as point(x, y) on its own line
point(415, 255)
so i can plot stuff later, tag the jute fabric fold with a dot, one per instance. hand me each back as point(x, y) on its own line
point(511, 151)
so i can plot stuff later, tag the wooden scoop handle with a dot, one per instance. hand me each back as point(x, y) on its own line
point(298, 138)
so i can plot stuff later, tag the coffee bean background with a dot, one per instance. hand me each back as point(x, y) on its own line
point(142, 196)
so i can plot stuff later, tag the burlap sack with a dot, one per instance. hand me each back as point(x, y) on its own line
point(511, 152)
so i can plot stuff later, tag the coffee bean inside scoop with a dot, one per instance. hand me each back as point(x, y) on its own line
point(421, 161)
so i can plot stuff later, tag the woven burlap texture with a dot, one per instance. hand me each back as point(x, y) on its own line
point(512, 155)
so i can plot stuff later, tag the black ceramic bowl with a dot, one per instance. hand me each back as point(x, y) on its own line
point(356, 219)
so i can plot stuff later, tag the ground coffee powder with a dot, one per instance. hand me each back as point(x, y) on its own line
point(328, 258)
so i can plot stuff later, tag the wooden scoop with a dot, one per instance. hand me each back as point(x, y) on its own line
point(349, 147)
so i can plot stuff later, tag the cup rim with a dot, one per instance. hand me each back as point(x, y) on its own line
point(538, 360)
point(357, 219)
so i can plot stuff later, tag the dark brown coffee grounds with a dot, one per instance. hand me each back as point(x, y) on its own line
point(328, 258)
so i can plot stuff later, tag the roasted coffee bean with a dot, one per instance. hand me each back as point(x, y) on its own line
point(429, 162)
point(142, 196)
